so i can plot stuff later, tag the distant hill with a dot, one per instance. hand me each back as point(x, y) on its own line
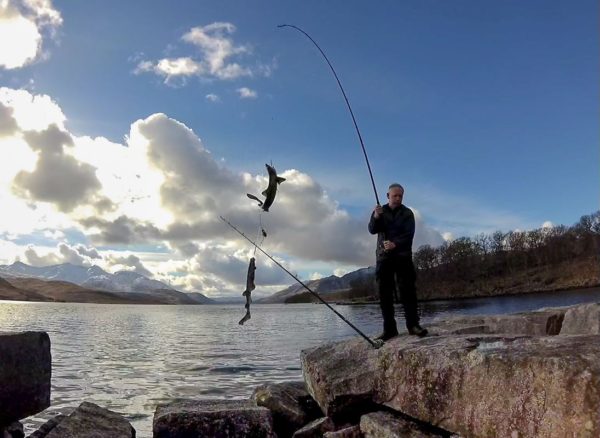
point(94, 278)
point(35, 289)
point(325, 286)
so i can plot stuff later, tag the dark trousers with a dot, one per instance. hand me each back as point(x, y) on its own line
point(388, 272)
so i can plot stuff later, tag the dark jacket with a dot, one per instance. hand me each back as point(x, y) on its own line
point(396, 225)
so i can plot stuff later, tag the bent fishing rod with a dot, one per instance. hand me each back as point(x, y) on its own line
point(369, 340)
point(362, 144)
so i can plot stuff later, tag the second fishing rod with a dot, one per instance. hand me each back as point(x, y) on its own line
point(374, 344)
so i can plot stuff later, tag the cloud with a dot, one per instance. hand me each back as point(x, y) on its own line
point(24, 23)
point(212, 97)
point(8, 124)
point(58, 178)
point(164, 189)
point(127, 262)
point(64, 253)
point(547, 225)
point(216, 51)
point(247, 93)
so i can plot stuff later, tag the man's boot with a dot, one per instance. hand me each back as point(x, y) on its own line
point(417, 330)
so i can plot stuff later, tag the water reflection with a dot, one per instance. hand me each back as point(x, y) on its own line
point(131, 358)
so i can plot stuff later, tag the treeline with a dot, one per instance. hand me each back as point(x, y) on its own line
point(488, 255)
point(480, 262)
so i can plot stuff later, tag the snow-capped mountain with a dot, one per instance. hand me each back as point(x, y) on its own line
point(94, 278)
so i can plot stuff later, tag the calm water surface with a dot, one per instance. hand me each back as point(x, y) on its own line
point(129, 358)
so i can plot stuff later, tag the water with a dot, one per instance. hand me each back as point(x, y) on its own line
point(129, 358)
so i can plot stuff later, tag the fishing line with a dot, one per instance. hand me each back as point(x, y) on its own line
point(374, 344)
point(362, 145)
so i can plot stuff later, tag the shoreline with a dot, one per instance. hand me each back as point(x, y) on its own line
point(512, 294)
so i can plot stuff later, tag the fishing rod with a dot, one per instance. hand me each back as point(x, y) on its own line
point(362, 145)
point(374, 344)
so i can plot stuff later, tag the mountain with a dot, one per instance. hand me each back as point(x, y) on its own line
point(35, 289)
point(97, 279)
point(322, 286)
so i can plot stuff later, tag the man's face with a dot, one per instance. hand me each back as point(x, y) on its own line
point(395, 197)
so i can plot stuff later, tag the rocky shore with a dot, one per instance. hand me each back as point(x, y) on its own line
point(534, 374)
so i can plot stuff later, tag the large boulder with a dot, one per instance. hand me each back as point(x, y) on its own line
point(91, 421)
point(290, 404)
point(581, 320)
point(213, 418)
point(25, 372)
point(479, 385)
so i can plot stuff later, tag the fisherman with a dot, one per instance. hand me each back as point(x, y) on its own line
point(394, 223)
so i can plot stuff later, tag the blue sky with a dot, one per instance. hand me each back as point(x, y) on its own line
point(486, 111)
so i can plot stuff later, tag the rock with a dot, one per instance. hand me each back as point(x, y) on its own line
point(213, 418)
point(342, 377)
point(91, 421)
point(25, 371)
point(315, 429)
point(384, 424)
point(480, 385)
point(14, 430)
point(347, 432)
point(581, 320)
point(539, 323)
point(45, 428)
point(290, 404)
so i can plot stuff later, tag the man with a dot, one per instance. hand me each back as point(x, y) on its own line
point(394, 224)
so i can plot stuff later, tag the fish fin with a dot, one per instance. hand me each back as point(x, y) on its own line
point(264, 193)
point(280, 180)
point(260, 203)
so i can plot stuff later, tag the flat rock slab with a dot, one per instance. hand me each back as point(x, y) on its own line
point(315, 429)
point(25, 372)
point(539, 323)
point(213, 418)
point(347, 432)
point(91, 421)
point(582, 319)
point(384, 424)
point(479, 385)
point(290, 404)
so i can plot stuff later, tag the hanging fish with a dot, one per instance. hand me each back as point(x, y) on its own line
point(250, 286)
point(271, 190)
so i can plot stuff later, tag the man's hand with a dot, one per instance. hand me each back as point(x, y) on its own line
point(388, 245)
point(377, 211)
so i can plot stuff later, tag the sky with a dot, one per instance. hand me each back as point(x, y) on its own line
point(127, 128)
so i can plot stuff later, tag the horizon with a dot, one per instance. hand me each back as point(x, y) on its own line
point(128, 138)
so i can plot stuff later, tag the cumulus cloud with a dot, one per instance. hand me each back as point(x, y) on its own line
point(24, 23)
point(214, 59)
point(247, 93)
point(165, 188)
point(58, 178)
point(212, 97)
point(64, 253)
point(8, 124)
point(547, 225)
point(128, 262)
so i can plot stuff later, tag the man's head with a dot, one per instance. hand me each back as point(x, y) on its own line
point(394, 195)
